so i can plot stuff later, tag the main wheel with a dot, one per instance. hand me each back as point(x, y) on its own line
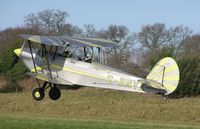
point(54, 93)
point(38, 94)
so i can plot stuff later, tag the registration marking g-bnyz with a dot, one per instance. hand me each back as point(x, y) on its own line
point(123, 82)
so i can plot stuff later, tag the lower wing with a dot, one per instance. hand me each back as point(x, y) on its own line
point(47, 78)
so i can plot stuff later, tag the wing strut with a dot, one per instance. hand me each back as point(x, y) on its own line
point(54, 55)
point(48, 65)
point(42, 51)
point(85, 54)
point(29, 44)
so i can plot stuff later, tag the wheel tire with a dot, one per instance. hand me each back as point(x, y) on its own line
point(54, 93)
point(38, 94)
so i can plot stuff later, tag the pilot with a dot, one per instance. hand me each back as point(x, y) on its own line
point(88, 57)
point(67, 53)
point(85, 55)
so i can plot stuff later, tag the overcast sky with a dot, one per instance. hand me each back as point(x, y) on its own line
point(101, 13)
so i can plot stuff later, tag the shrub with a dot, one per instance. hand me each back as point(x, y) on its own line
point(189, 84)
point(12, 74)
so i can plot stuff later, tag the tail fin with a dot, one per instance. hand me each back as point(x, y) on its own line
point(165, 74)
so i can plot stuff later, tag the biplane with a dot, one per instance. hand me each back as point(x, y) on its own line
point(51, 59)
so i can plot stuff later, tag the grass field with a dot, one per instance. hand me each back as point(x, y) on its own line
point(92, 108)
point(63, 123)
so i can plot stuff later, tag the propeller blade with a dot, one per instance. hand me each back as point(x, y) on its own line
point(15, 60)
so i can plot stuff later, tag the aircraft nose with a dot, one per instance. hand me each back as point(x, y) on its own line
point(17, 51)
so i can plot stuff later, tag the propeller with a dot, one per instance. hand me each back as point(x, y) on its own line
point(16, 57)
point(15, 61)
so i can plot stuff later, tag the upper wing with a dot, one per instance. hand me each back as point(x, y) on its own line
point(62, 40)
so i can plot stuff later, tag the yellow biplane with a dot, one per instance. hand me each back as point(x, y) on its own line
point(57, 61)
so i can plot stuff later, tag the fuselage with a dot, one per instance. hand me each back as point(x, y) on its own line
point(82, 73)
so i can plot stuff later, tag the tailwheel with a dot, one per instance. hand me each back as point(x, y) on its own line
point(164, 97)
point(38, 94)
point(54, 93)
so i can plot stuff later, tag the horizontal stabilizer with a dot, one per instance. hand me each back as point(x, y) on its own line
point(154, 87)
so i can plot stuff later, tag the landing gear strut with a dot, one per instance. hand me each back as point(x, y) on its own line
point(39, 93)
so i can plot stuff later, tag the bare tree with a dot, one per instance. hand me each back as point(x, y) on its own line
point(59, 19)
point(32, 21)
point(125, 49)
point(181, 34)
point(48, 21)
point(153, 36)
point(117, 33)
point(120, 35)
point(67, 29)
point(90, 30)
point(114, 32)
point(70, 30)
point(77, 31)
point(129, 41)
point(102, 34)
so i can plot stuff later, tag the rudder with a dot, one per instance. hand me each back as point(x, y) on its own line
point(165, 73)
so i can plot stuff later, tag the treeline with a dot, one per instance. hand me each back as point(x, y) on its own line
point(137, 52)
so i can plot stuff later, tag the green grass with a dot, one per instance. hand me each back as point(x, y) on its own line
point(92, 108)
point(58, 123)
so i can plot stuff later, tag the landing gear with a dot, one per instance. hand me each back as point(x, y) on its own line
point(39, 93)
point(54, 93)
